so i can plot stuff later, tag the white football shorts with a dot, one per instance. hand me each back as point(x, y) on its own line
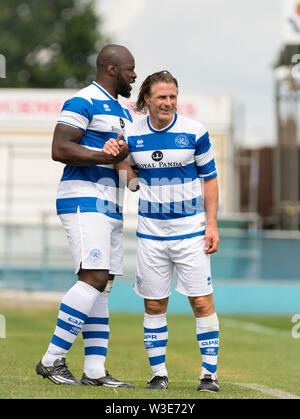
point(95, 240)
point(156, 260)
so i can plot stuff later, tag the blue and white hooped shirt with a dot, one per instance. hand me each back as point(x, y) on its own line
point(170, 164)
point(93, 188)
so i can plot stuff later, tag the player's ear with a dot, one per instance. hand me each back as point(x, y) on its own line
point(146, 99)
point(112, 69)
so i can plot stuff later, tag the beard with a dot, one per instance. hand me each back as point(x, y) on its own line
point(123, 87)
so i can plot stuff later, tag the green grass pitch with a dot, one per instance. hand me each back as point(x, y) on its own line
point(258, 358)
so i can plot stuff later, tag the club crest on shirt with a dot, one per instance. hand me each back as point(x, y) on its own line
point(182, 140)
point(95, 254)
point(138, 281)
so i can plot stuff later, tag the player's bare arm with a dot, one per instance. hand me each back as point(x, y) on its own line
point(66, 149)
point(211, 199)
point(127, 175)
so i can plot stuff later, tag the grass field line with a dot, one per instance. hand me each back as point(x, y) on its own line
point(255, 327)
point(268, 391)
point(256, 387)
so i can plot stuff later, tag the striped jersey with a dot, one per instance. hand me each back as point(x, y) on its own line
point(93, 188)
point(171, 163)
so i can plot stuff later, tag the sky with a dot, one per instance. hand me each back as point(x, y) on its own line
point(211, 46)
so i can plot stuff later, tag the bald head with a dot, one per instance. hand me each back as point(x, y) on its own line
point(112, 54)
point(115, 70)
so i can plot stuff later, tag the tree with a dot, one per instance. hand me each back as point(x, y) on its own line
point(49, 43)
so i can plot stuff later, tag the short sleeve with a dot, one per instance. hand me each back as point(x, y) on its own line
point(204, 157)
point(77, 112)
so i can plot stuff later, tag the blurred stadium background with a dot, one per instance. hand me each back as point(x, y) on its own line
point(257, 267)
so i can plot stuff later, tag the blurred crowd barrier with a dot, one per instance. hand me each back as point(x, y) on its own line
point(37, 257)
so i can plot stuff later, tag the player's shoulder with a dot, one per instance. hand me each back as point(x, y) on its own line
point(92, 93)
point(83, 95)
point(80, 103)
point(189, 125)
point(138, 127)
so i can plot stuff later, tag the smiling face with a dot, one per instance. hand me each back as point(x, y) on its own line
point(162, 104)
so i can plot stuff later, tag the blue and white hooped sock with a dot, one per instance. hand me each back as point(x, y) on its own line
point(74, 309)
point(208, 340)
point(95, 332)
point(155, 341)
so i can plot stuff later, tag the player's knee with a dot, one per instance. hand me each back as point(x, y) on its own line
point(154, 307)
point(95, 278)
point(202, 306)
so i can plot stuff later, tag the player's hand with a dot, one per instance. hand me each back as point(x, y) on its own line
point(123, 151)
point(117, 148)
point(111, 147)
point(211, 238)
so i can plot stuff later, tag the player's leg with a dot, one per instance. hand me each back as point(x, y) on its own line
point(194, 281)
point(153, 283)
point(92, 269)
point(207, 330)
point(96, 278)
point(72, 314)
point(96, 329)
point(95, 333)
point(155, 341)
